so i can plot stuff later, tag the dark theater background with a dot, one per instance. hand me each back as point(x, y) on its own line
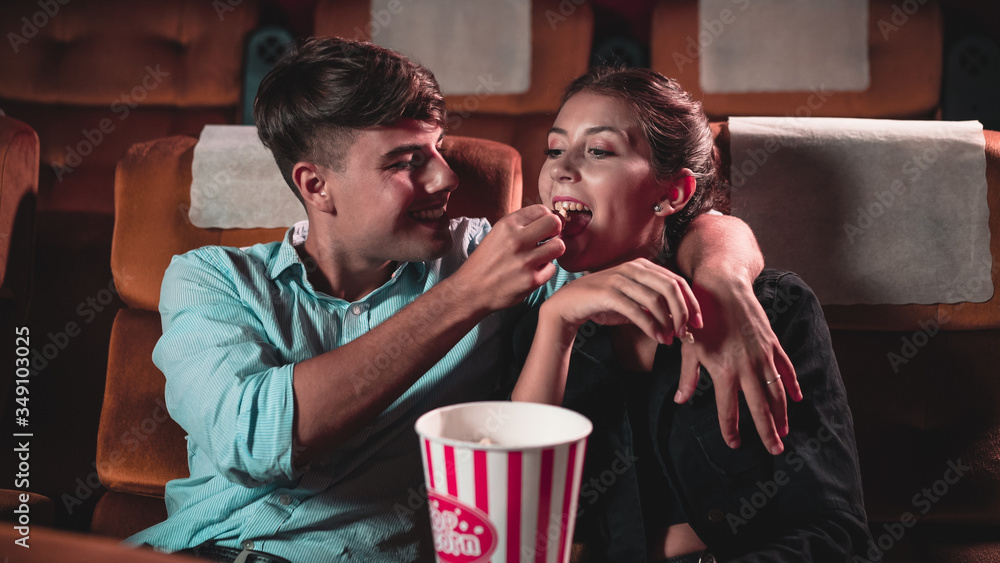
point(92, 78)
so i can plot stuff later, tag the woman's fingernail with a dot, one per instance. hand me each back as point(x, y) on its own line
point(678, 396)
point(697, 321)
point(777, 449)
point(734, 444)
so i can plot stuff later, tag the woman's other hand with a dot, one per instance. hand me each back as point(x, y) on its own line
point(742, 353)
point(639, 292)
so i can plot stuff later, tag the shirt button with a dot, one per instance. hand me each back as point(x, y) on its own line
point(716, 515)
point(356, 309)
point(285, 500)
point(248, 544)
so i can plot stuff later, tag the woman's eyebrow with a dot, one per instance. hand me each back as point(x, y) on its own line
point(604, 128)
point(592, 130)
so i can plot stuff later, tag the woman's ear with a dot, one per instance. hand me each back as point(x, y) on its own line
point(314, 184)
point(677, 191)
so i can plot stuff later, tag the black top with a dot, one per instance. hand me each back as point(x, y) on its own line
point(803, 505)
point(660, 507)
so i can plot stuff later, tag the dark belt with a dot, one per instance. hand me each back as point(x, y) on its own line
point(696, 557)
point(580, 552)
point(223, 554)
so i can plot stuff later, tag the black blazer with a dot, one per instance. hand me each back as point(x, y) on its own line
point(803, 505)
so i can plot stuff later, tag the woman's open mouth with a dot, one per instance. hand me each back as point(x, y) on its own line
point(576, 216)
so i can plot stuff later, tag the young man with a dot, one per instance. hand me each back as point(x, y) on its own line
point(299, 385)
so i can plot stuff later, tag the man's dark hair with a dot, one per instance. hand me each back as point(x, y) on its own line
point(324, 90)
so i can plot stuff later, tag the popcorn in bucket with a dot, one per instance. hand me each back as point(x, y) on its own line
point(503, 480)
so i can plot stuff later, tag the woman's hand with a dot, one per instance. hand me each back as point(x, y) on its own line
point(639, 292)
point(742, 353)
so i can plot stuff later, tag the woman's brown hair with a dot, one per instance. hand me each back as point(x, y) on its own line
point(678, 134)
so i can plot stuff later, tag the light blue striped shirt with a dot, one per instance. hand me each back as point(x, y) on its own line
point(235, 322)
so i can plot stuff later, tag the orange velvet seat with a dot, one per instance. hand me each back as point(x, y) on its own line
point(92, 85)
point(905, 67)
point(18, 191)
point(139, 447)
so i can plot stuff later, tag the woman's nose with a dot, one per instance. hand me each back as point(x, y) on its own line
point(564, 170)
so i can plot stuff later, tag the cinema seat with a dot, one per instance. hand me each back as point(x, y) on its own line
point(905, 65)
point(931, 420)
point(92, 78)
point(561, 35)
point(139, 448)
point(18, 189)
point(92, 85)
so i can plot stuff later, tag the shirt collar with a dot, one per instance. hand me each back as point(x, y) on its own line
point(287, 257)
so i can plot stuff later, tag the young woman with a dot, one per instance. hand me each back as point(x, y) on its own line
point(631, 161)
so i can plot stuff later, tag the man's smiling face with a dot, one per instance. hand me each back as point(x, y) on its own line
point(390, 199)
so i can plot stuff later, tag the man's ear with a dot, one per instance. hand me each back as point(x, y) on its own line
point(314, 183)
point(677, 191)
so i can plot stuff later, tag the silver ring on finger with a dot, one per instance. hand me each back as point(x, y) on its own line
point(772, 381)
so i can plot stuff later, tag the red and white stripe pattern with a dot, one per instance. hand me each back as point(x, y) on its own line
point(528, 495)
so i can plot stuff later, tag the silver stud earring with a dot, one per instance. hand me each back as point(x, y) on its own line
point(657, 208)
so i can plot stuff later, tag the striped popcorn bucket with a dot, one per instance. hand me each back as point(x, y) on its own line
point(503, 480)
